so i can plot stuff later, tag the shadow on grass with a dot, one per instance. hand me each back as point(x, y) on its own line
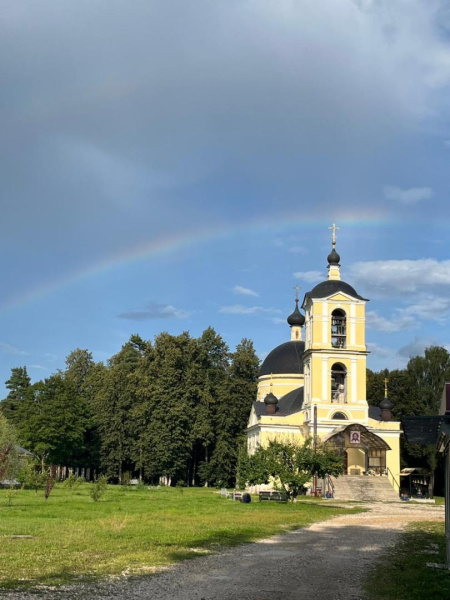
point(318, 560)
point(208, 541)
point(402, 573)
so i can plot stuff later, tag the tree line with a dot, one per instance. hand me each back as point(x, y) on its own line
point(176, 409)
point(415, 390)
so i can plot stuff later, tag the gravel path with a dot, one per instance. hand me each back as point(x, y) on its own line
point(326, 561)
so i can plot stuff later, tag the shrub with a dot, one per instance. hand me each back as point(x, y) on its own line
point(73, 482)
point(99, 488)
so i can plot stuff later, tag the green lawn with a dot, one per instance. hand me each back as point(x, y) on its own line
point(403, 574)
point(130, 531)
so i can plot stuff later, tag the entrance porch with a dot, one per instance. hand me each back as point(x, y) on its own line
point(364, 452)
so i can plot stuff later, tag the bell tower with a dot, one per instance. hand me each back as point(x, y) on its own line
point(335, 349)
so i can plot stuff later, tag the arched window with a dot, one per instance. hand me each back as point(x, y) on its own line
point(338, 383)
point(338, 328)
point(340, 416)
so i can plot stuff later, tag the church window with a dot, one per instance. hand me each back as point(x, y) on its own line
point(338, 383)
point(339, 416)
point(338, 328)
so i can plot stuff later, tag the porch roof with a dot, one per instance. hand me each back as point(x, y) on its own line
point(368, 439)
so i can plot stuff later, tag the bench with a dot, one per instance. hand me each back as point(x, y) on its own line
point(273, 496)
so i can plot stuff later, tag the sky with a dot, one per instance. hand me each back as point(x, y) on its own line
point(168, 165)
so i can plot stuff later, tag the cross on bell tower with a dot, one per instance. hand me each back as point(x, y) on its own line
point(334, 258)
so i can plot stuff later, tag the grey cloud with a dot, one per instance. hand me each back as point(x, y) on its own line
point(309, 276)
point(6, 348)
point(391, 278)
point(155, 311)
point(239, 289)
point(380, 351)
point(239, 309)
point(417, 347)
point(108, 112)
point(407, 196)
point(396, 323)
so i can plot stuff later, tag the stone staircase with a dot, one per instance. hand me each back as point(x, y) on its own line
point(364, 489)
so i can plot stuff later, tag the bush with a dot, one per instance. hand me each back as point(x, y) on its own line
point(126, 478)
point(99, 488)
point(31, 477)
point(73, 482)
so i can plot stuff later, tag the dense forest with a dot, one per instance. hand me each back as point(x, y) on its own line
point(175, 408)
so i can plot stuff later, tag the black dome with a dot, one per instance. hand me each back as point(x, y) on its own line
point(332, 286)
point(296, 318)
point(386, 404)
point(287, 358)
point(333, 258)
point(270, 399)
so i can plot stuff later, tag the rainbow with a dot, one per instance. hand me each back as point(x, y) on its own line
point(171, 244)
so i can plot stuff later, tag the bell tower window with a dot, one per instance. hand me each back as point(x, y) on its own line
point(340, 416)
point(338, 383)
point(338, 329)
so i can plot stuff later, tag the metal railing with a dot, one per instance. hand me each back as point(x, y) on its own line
point(390, 473)
point(329, 485)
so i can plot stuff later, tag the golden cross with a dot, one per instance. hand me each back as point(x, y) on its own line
point(334, 227)
point(386, 380)
point(296, 288)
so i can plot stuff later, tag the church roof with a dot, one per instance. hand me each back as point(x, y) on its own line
point(375, 413)
point(330, 287)
point(286, 358)
point(287, 405)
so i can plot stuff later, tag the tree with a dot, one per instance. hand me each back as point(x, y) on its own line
point(81, 373)
point(428, 374)
point(79, 364)
point(289, 465)
point(19, 385)
point(415, 390)
point(9, 463)
point(54, 422)
point(234, 400)
point(168, 440)
point(112, 405)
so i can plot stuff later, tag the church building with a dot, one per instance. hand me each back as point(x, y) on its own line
point(315, 384)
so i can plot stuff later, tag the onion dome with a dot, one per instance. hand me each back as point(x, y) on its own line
point(270, 399)
point(386, 404)
point(296, 319)
point(333, 258)
point(271, 402)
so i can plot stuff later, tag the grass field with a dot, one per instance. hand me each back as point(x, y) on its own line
point(403, 574)
point(130, 531)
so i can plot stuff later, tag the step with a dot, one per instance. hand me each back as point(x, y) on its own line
point(362, 488)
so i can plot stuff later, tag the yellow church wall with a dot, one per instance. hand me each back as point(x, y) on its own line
point(296, 420)
point(393, 463)
point(360, 329)
point(279, 385)
point(353, 414)
point(361, 374)
point(356, 460)
point(319, 322)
